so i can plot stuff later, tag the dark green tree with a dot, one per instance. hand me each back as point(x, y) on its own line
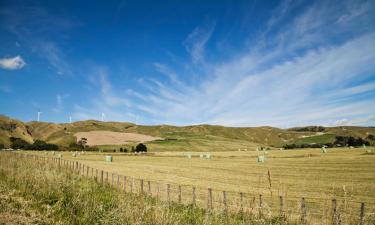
point(141, 148)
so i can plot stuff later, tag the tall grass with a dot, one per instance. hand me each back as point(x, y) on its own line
point(62, 197)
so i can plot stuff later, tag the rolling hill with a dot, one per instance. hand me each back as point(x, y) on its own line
point(176, 138)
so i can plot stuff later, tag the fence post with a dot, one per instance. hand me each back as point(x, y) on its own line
point(362, 214)
point(76, 166)
point(141, 186)
point(131, 185)
point(87, 171)
point(112, 180)
point(335, 214)
point(209, 199)
point(281, 214)
point(260, 206)
point(124, 183)
point(179, 194)
point(225, 202)
point(194, 197)
point(168, 193)
point(101, 176)
point(118, 181)
point(303, 212)
point(149, 187)
point(241, 202)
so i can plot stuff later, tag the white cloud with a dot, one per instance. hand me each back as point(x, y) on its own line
point(196, 41)
point(14, 63)
point(296, 76)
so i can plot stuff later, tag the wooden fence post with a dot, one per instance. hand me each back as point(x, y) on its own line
point(112, 180)
point(124, 183)
point(281, 213)
point(209, 199)
point(168, 193)
point(241, 202)
point(141, 186)
point(260, 206)
point(303, 212)
point(194, 196)
point(101, 176)
point(225, 202)
point(131, 185)
point(76, 166)
point(179, 194)
point(87, 171)
point(362, 214)
point(118, 181)
point(149, 187)
point(335, 214)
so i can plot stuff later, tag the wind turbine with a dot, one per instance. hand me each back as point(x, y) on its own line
point(103, 115)
point(39, 113)
point(70, 119)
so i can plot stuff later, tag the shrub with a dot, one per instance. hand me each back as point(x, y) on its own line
point(18, 143)
point(2, 146)
point(141, 148)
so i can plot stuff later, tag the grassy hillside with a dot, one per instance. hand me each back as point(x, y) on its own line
point(185, 138)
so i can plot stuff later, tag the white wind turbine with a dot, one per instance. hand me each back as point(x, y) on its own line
point(39, 113)
point(103, 115)
point(70, 119)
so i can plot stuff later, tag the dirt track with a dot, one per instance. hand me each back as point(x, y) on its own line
point(113, 138)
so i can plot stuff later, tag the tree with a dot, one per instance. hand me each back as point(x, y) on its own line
point(18, 143)
point(83, 142)
point(141, 148)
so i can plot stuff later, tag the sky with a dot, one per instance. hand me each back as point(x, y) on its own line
point(233, 63)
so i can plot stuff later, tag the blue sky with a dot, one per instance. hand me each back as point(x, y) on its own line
point(235, 63)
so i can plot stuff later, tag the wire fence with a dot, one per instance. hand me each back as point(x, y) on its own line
point(302, 210)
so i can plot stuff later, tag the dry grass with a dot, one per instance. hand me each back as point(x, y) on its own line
point(60, 196)
point(345, 174)
point(113, 138)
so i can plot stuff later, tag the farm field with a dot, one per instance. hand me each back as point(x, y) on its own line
point(345, 174)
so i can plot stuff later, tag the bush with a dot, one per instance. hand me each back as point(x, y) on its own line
point(350, 141)
point(2, 146)
point(141, 148)
point(18, 143)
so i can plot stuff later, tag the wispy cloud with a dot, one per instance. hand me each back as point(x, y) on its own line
point(38, 30)
point(196, 41)
point(294, 74)
point(60, 103)
point(14, 63)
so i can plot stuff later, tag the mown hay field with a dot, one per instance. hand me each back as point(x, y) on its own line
point(342, 173)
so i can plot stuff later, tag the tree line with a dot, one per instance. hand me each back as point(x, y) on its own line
point(340, 141)
point(18, 143)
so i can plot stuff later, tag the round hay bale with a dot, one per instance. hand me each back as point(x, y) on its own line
point(108, 158)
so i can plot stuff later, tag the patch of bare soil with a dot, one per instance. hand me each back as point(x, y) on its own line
point(113, 138)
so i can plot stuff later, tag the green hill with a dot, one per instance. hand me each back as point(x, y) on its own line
point(180, 138)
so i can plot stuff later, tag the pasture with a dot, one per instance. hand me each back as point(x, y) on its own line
point(345, 174)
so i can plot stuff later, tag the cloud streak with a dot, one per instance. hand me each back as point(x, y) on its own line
point(293, 75)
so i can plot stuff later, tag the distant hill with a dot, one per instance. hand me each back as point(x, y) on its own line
point(185, 138)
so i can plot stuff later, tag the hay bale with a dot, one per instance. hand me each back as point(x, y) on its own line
point(208, 156)
point(188, 156)
point(261, 159)
point(108, 158)
point(201, 156)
